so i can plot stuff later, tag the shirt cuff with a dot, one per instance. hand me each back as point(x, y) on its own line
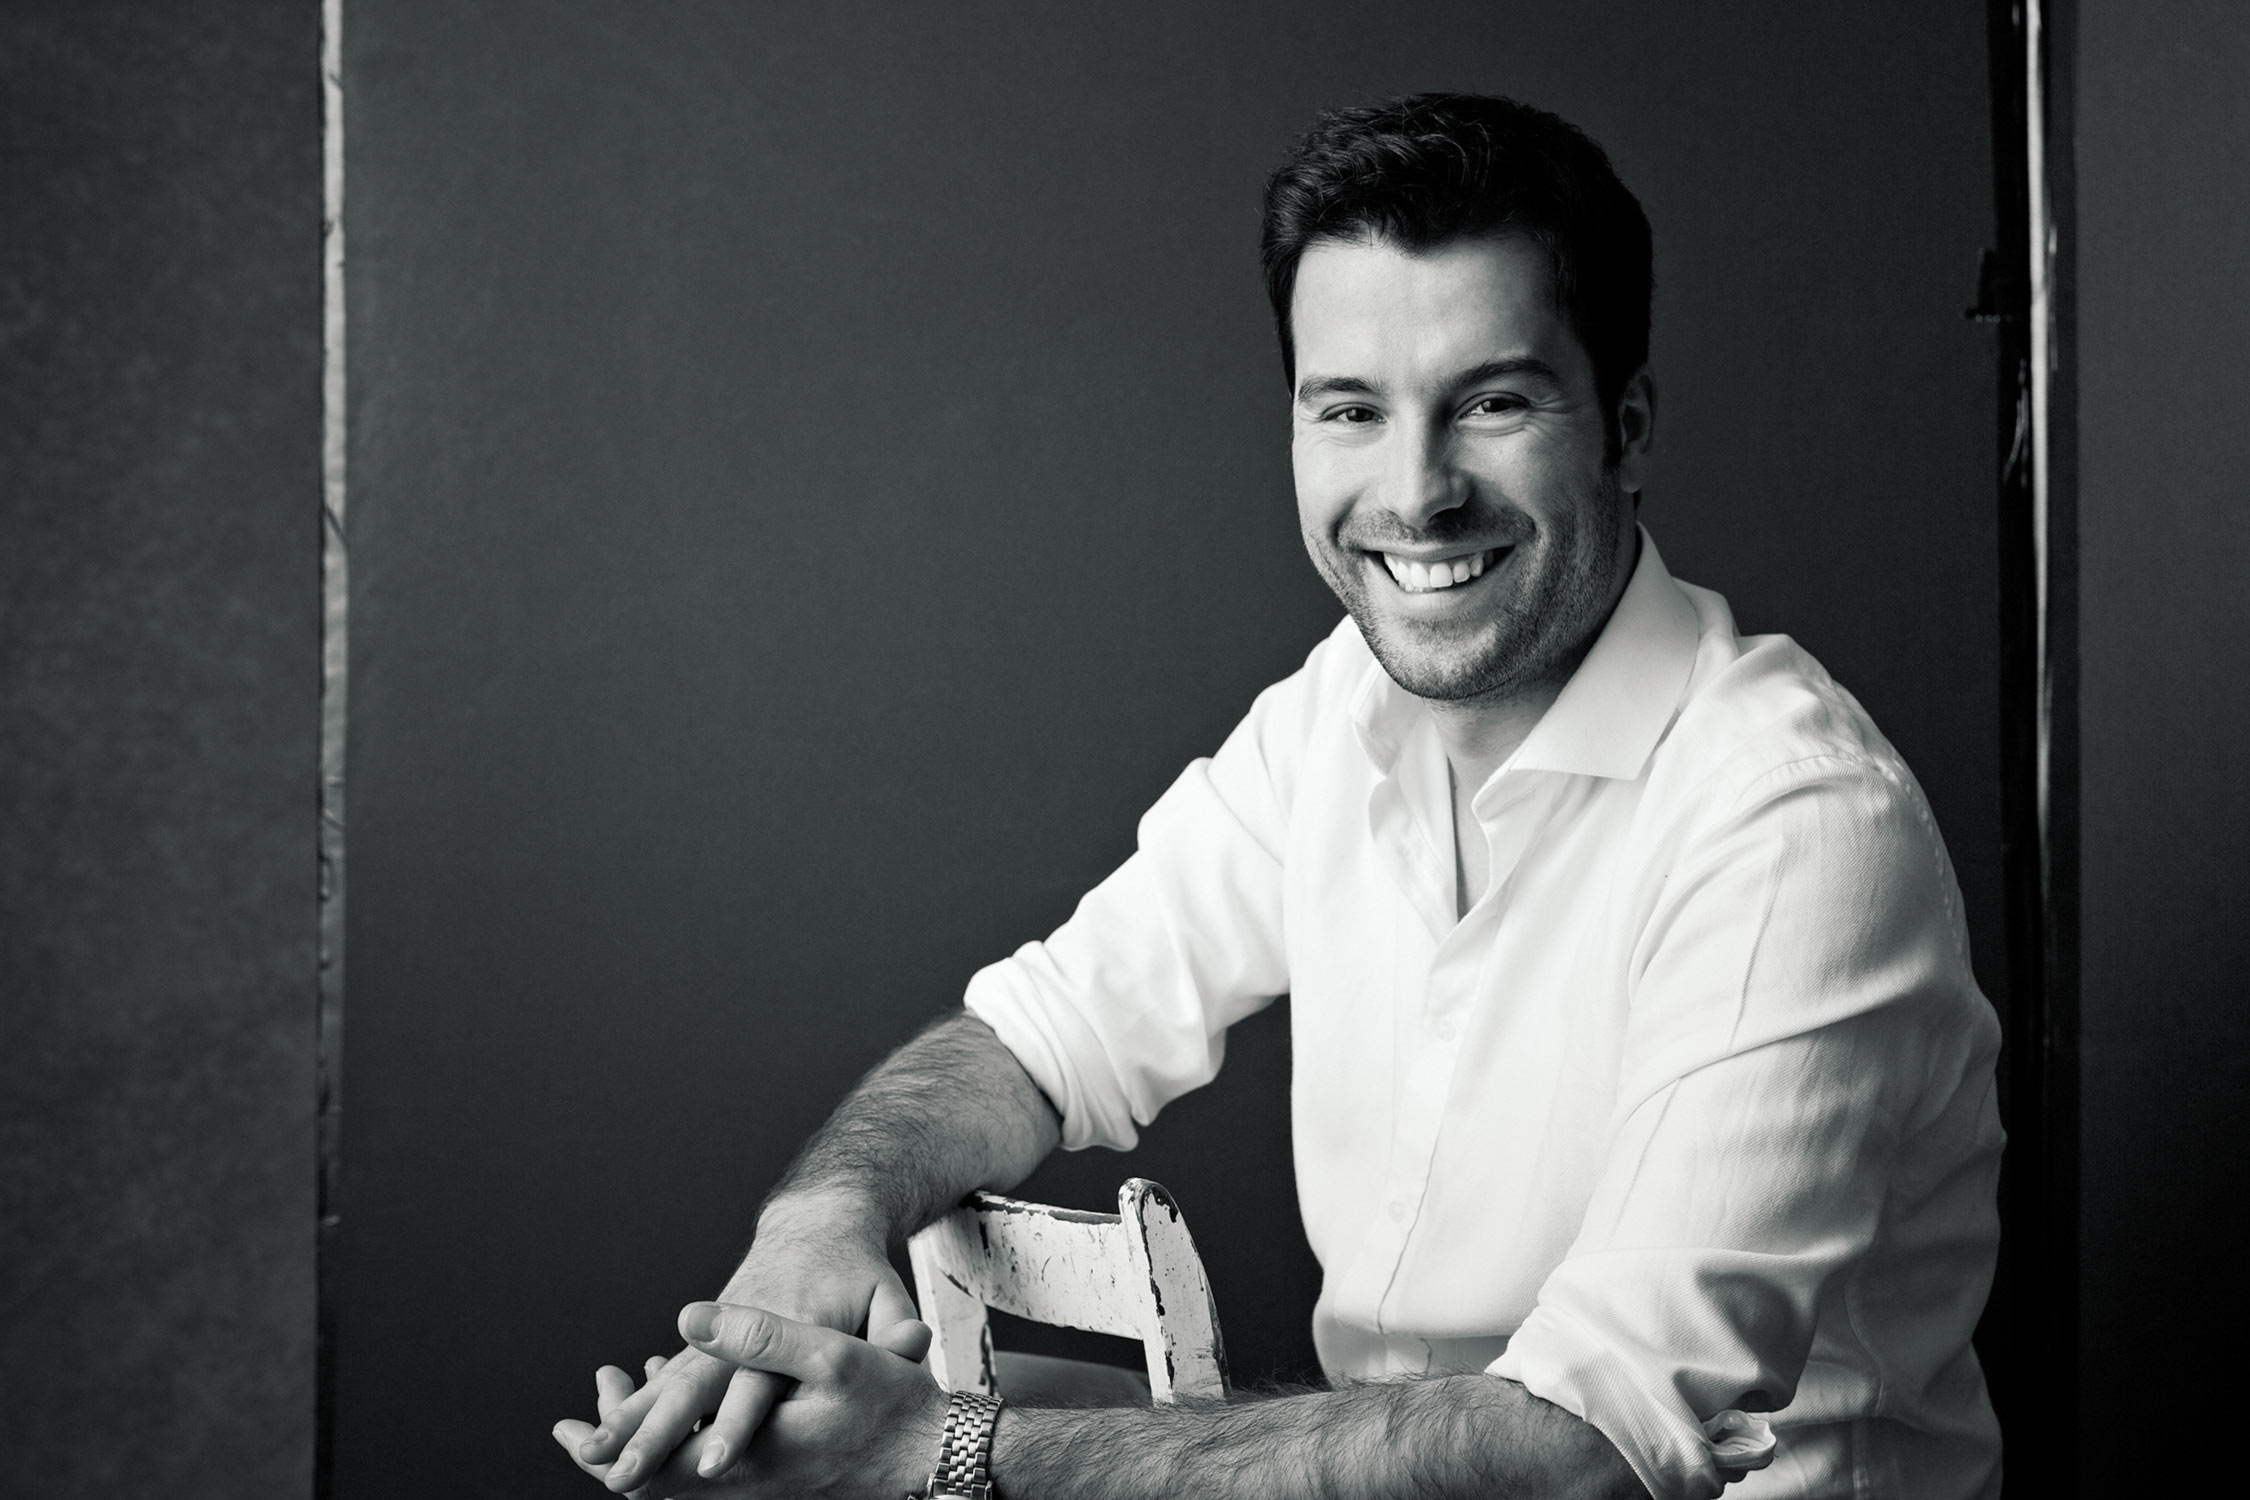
point(1675, 1454)
point(1047, 1041)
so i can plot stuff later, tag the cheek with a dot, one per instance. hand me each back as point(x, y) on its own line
point(1549, 487)
point(1510, 467)
point(1319, 492)
point(1331, 481)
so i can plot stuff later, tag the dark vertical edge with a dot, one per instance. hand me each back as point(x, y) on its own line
point(335, 595)
point(2004, 303)
point(2031, 1325)
point(2057, 1347)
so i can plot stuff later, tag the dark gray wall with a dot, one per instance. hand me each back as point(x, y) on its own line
point(159, 683)
point(2163, 256)
point(818, 472)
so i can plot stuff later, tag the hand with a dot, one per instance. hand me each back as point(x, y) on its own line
point(612, 1389)
point(864, 1419)
point(812, 1262)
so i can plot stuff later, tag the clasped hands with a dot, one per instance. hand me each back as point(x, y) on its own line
point(795, 1405)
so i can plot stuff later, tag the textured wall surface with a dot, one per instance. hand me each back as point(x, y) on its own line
point(819, 472)
point(159, 678)
point(2164, 535)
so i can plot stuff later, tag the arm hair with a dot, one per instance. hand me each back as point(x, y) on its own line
point(952, 1111)
point(1435, 1439)
point(949, 1112)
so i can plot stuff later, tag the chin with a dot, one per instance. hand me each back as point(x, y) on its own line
point(1441, 672)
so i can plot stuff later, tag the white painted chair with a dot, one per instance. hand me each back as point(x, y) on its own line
point(1133, 1273)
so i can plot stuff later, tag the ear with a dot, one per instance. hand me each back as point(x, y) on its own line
point(1636, 431)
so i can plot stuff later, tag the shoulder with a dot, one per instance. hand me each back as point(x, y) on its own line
point(1762, 716)
point(1771, 759)
point(1783, 821)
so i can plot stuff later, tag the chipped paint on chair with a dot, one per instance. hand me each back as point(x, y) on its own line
point(1133, 1274)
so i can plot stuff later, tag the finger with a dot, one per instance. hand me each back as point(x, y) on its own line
point(890, 1303)
point(703, 1377)
point(612, 1389)
point(619, 1425)
point(761, 1340)
point(572, 1434)
point(908, 1340)
point(653, 1368)
point(673, 1479)
point(678, 1405)
point(750, 1395)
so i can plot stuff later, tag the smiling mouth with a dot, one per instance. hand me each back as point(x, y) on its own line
point(1452, 572)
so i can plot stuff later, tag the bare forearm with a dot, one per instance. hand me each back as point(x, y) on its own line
point(949, 1112)
point(1468, 1435)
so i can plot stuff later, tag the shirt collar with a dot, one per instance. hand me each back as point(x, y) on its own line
point(1610, 714)
point(1383, 716)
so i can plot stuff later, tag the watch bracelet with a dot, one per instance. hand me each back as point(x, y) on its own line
point(964, 1462)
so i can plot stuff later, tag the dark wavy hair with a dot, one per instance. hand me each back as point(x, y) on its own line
point(1430, 168)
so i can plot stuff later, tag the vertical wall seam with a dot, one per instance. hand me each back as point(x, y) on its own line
point(328, 1027)
point(2029, 301)
point(2049, 63)
point(2041, 271)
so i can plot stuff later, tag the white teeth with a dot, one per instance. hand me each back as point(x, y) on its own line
point(1424, 578)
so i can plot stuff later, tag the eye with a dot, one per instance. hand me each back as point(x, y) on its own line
point(1498, 404)
point(1353, 416)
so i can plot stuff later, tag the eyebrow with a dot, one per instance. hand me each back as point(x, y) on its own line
point(1333, 385)
point(1491, 369)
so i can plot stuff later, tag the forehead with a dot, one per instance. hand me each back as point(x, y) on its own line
point(1370, 308)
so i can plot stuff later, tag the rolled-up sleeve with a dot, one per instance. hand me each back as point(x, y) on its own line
point(1126, 1006)
point(1801, 1009)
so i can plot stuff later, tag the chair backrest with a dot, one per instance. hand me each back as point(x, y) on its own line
point(1133, 1273)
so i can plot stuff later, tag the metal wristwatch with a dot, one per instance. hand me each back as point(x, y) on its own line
point(964, 1461)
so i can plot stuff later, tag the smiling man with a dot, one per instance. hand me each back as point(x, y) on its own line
point(1639, 1080)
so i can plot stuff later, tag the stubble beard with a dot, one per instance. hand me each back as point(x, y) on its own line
point(1532, 635)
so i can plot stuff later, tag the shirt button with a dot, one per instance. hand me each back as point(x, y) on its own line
point(1398, 1209)
point(1445, 1031)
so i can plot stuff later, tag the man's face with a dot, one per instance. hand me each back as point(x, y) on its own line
point(1449, 448)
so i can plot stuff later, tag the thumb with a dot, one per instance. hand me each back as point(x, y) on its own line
point(889, 1304)
point(759, 1340)
point(908, 1340)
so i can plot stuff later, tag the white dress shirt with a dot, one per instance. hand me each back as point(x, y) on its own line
point(1693, 1110)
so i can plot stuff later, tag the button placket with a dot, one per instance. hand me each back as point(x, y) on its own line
point(1424, 882)
point(1457, 971)
point(1448, 992)
point(1406, 1179)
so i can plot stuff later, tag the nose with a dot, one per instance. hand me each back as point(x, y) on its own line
point(1423, 482)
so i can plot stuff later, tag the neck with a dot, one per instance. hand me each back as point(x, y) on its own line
point(1479, 733)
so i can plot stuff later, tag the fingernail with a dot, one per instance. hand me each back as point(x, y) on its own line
point(598, 1435)
point(624, 1467)
point(714, 1459)
point(697, 1320)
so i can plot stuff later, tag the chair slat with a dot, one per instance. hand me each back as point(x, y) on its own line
point(1133, 1274)
point(1074, 1272)
point(1184, 1322)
